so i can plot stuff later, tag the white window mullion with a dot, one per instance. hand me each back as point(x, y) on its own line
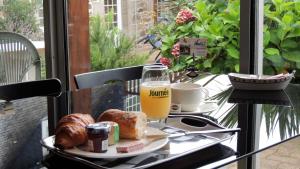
point(119, 14)
point(259, 46)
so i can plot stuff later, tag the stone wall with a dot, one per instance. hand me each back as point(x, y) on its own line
point(137, 16)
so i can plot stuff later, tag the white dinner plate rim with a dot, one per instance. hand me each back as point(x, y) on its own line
point(153, 146)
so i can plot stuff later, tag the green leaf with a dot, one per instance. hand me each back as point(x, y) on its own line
point(200, 6)
point(178, 67)
point(215, 70)
point(274, 38)
point(237, 67)
point(297, 6)
point(182, 28)
point(272, 51)
point(280, 33)
point(169, 40)
point(287, 5)
point(293, 56)
point(267, 9)
point(183, 35)
point(189, 61)
point(207, 35)
point(207, 63)
point(298, 65)
point(223, 44)
point(287, 18)
point(275, 59)
point(197, 28)
point(289, 44)
point(295, 32)
point(277, 2)
point(274, 18)
point(164, 48)
point(267, 38)
point(170, 28)
point(215, 28)
point(232, 51)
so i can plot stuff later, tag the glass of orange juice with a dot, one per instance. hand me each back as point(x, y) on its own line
point(155, 92)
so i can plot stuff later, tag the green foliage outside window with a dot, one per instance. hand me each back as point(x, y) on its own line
point(219, 22)
point(282, 36)
point(19, 17)
point(109, 47)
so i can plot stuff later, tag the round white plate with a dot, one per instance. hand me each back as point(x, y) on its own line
point(111, 152)
point(203, 108)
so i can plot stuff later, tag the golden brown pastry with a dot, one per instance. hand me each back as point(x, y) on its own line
point(132, 124)
point(71, 131)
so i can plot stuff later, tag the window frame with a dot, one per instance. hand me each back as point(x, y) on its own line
point(56, 56)
point(56, 45)
point(247, 36)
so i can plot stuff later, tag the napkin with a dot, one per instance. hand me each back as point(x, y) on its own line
point(155, 133)
point(281, 75)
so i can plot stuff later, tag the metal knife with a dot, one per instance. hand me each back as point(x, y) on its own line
point(205, 132)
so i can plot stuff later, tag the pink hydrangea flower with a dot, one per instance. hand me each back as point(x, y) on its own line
point(184, 16)
point(176, 50)
point(165, 61)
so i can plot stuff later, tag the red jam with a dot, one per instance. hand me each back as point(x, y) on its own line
point(97, 137)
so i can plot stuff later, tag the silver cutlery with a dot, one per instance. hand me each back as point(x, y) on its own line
point(205, 132)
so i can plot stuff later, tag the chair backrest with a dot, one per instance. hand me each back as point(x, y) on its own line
point(97, 78)
point(101, 95)
point(24, 121)
point(49, 87)
point(17, 56)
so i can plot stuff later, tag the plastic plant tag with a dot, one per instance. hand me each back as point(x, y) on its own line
point(193, 46)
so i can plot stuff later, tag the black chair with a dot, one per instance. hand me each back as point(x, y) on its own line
point(24, 121)
point(112, 88)
point(49, 87)
point(98, 78)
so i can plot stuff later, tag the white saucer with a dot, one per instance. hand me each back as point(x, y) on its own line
point(203, 108)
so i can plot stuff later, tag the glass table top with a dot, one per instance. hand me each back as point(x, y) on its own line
point(266, 118)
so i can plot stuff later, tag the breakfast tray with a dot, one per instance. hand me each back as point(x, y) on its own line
point(177, 147)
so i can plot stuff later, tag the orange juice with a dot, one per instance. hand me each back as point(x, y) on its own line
point(155, 99)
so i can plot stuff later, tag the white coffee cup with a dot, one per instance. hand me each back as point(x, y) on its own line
point(188, 96)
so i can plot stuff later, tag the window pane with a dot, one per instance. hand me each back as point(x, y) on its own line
point(153, 30)
point(115, 8)
point(115, 18)
point(22, 58)
point(281, 37)
point(26, 19)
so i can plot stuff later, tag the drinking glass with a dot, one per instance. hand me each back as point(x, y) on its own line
point(155, 92)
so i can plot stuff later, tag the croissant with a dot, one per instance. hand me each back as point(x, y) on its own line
point(71, 131)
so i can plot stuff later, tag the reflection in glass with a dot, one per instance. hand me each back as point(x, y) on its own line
point(280, 113)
